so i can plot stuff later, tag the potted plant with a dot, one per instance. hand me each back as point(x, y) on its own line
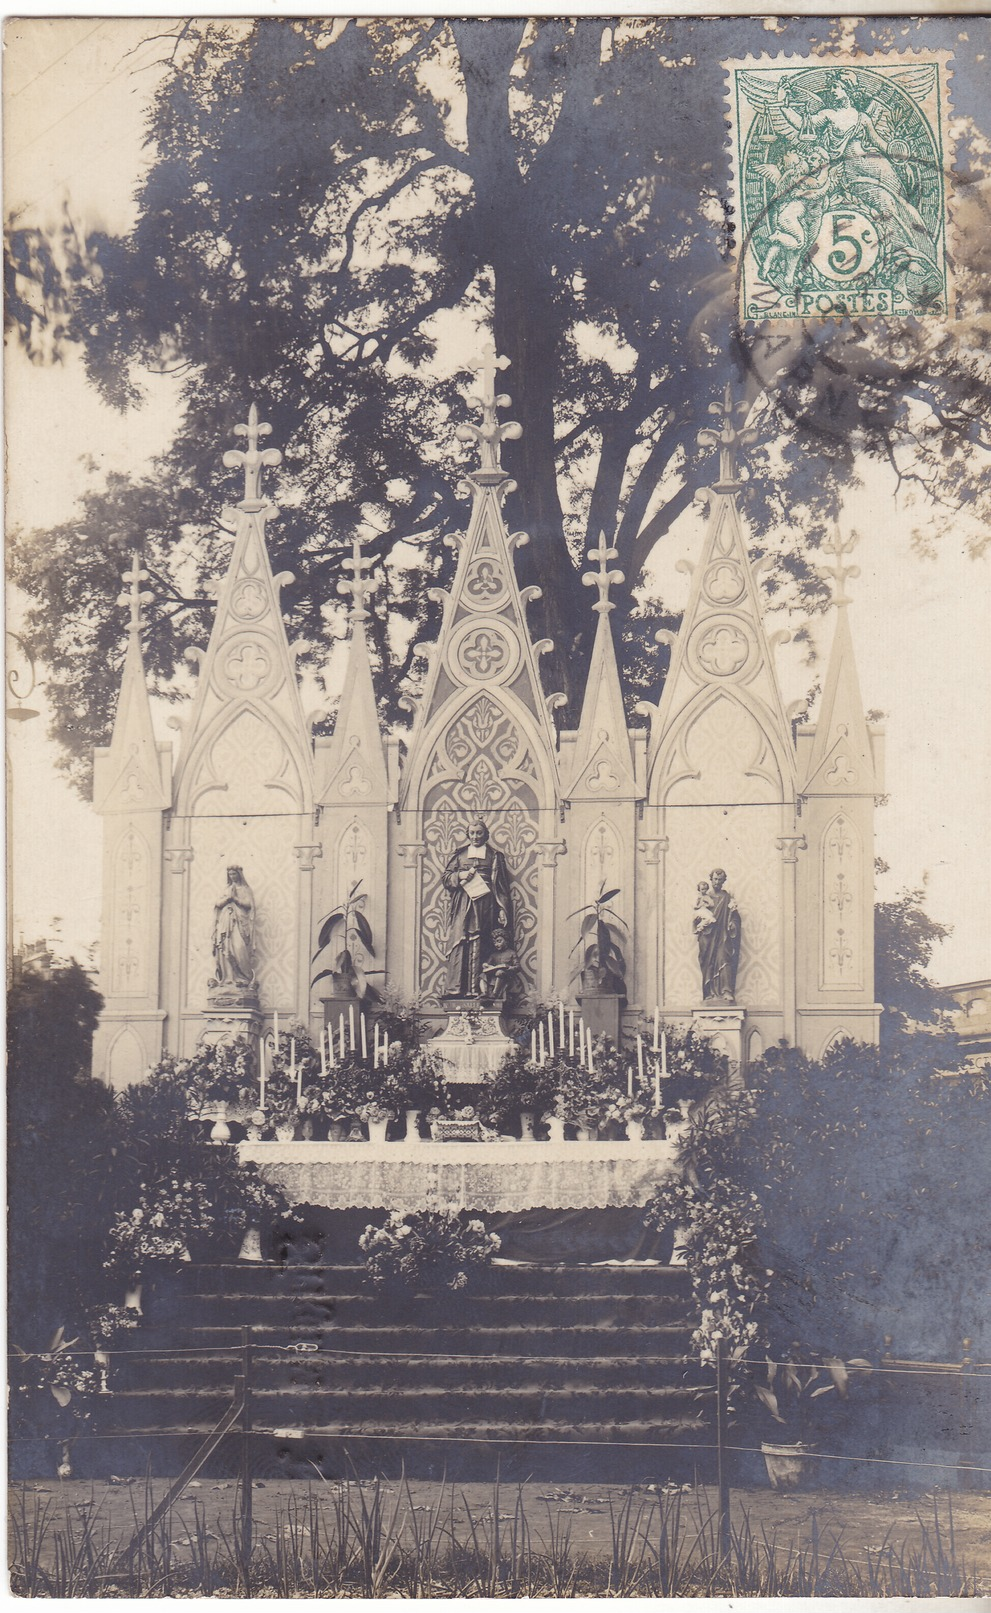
point(428, 1251)
point(787, 1393)
point(347, 934)
point(376, 1116)
point(520, 1090)
point(412, 1083)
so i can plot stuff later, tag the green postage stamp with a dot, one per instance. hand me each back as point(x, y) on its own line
point(840, 172)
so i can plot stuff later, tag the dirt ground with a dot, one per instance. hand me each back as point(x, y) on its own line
point(861, 1521)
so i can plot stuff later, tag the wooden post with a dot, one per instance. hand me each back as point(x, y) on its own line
point(245, 1521)
point(722, 1455)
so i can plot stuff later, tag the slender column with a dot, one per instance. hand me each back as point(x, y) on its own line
point(306, 856)
point(177, 962)
point(651, 986)
point(789, 846)
point(550, 851)
point(412, 854)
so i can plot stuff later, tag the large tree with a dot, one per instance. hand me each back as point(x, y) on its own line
point(334, 206)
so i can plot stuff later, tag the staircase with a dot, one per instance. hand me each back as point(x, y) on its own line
point(342, 1380)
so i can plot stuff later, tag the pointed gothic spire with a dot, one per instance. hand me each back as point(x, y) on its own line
point(248, 674)
point(722, 646)
point(492, 433)
point(603, 761)
point(841, 762)
point(129, 772)
point(354, 766)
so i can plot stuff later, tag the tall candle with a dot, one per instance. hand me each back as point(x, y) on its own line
point(533, 1045)
point(629, 1080)
point(657, 1086)
point(292, 1052)
point(375, 1054)
point(342, 1036)
point(385, 1051)
point(591, 1055)
point(330, 1048)
point(299, 1085)
point(664, 1054)
point(351, 1024)
point(550, 1031)
point(560, 1040)
point(657, 1015)
point(261, 1072)
point(640, 1059)
point(571, 1033)
point(276, 1033)
point(323, 1050)
point(541, 1043)
point(364, 1040)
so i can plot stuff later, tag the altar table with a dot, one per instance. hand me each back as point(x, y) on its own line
point(492, 1176)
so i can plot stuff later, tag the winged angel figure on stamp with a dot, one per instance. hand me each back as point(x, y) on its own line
point(840, 186)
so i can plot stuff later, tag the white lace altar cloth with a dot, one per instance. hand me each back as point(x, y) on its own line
point(502, 1176)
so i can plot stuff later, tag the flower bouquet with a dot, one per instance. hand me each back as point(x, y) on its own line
point(158, 1229)
point(427, 1250)
point(221, 1076)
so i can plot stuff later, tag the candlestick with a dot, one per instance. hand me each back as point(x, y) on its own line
point(657, 1015)
point(331, 1060)
point(292, 1052)
point(571, 1033)
point(664, 1054)
point(351, 1024)
point(385, 1055)
point(657, 1086)
point(550, 1031)
point(640, 1059)
point(560, 1039)
point(364, 1040)
point(276, 1033)
point(342, 1036)
point(629, 1080)
point(533, 1045)
point(541, 1043)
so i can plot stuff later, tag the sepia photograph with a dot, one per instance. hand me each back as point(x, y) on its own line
point(498, 693)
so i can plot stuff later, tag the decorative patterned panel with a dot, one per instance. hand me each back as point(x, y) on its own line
point(725, 816)
point(247, 769)
point(601, 861)
point(128, 973)
point(355, 862)
point(482, 765)
point(841, 958)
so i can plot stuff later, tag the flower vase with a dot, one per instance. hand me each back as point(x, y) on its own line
point(526, 1126)
point(220, 1131)
point(789, 1467)
point(101, 1361)
point(251, 1247)
point(377, 1130)
point(635, 1131)
point(582, 1133)
point(412, 1128)
point(132, 1297)
point(306, 1129)
point(336, 1131)
point(286, 1131)
point(555, 1129)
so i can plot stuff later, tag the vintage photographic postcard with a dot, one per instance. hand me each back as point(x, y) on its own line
point(498, 771)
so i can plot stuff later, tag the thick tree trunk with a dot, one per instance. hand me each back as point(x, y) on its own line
point(510, 226)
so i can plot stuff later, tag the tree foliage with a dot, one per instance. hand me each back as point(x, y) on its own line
point(904, 940)
point(334, 207)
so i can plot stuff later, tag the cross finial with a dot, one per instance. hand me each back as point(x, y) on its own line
point(133, 595)
point(603, 579)
point(727, 439)
point(840, 547)
point(358, 585)
point(491, 433)
point(253, 458)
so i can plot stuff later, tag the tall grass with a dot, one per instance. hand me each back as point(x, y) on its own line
point(363, 1540)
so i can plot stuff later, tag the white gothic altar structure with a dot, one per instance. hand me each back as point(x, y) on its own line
point(721, 779)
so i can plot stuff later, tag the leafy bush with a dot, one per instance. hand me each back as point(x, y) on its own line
point(430, 1250)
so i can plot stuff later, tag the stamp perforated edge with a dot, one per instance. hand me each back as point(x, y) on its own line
point(840, 58)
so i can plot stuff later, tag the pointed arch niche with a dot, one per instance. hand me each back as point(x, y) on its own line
point(126, 1059)
point(718, 780)
point(483, 763)
point(245, 794)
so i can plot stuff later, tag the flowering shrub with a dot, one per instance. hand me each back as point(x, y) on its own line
point(427, 1249)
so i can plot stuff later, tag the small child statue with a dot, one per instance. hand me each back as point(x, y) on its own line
point(703, 915)
point(500, 970)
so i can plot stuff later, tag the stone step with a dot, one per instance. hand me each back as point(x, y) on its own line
point(660, 1339)
point(250, 1277)
point(453, 1406)
point(483, 1310)
point(288, 1370)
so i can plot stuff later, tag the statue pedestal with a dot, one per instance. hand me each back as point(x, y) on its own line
point(474, 1040)
point(231, 1011)
point(602, 1011)
point(723, 1024)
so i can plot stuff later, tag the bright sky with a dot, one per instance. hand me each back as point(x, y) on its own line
point(75, 100)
